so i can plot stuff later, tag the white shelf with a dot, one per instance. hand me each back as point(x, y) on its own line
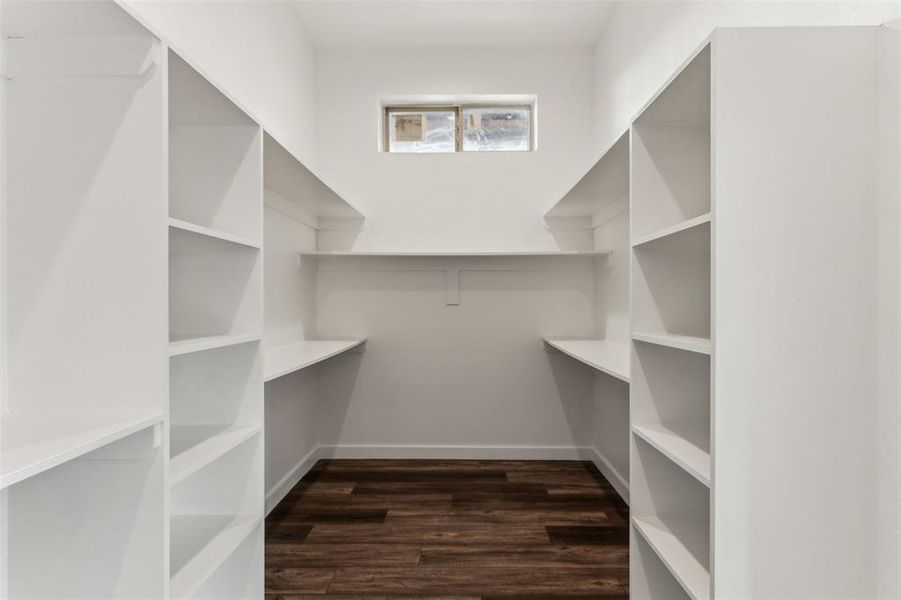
point(454, 254)
point(680, 342)
point(202, 565)
point(687, 455)
point(602, 186)
point(202, 447)
point(33, 442)
point(664, 539)
point(212, 233)
point(282, 360)
point(609, 357)
point(673, 230)
point(298, 191)
point(187, 345)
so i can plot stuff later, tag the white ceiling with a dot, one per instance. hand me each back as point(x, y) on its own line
point(452, 23)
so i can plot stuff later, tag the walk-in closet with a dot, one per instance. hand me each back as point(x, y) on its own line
point(450, 299)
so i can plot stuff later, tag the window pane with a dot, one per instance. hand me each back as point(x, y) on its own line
point(499, 128)
point(422, 131)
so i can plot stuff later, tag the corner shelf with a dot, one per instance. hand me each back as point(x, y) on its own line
point(187, 345)
point(294, 189)
point(603, 186)
point(212, 233)
point(199, 568)
point(34, 442)
point(679, 342)
point(282, 360)
point(694, 460)
point(691, 574)
point(660, 234)
point(608, 357)
point(455, 254)
point(196, 456)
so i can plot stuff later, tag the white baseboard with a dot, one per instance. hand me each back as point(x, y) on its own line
point(455, 452)
point(616, 479)
point(284, 485)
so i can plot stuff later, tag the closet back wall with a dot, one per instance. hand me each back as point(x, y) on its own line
point(454, 381)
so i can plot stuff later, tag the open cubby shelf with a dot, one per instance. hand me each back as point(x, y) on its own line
point(190, 344)
point(213, 538)
point(212, 233)
point(204, 444)
point(690, 343)
point(665, 538)
point(683, 452)
point(673, 230)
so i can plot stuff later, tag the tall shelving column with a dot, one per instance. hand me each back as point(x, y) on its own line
point(670, 395)
point(215, 325)
point(82, 467)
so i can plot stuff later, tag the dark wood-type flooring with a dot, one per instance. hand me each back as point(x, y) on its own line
point(455, 530)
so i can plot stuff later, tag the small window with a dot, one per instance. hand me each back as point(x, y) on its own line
point(458, 129)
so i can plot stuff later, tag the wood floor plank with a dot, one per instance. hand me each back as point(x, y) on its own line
point(412, 474)
point(298, 581)
point(300, 518)
point(549, 556)
point(582, 477)
point(341, 555)
point(450, 487)
point(508, 517)
point(418, 533)
point(588, 534)
point(448, 530)
point(483, 580)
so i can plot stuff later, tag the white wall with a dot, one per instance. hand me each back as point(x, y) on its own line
point(644, 42)
point(257, 51)
point(888, 495)
point(453, 201)
point(456, 381)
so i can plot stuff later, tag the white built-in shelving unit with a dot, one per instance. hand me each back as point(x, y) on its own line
point(746, 167)
point(82, 403)
point(215, 324)
point(671, 321)
point(131, 461)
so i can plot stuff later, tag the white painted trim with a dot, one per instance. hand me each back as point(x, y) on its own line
point(617, 480)
point(286, 483)
point(456, 452)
